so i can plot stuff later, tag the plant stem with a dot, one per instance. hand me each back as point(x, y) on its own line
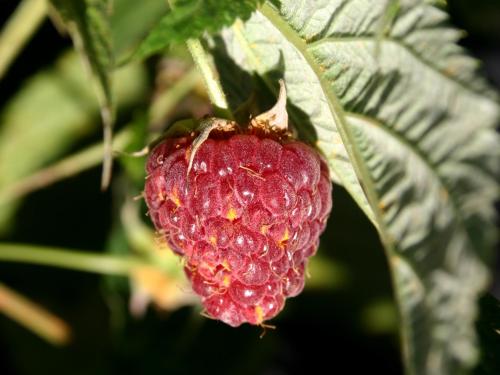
point(33, 316)
point(67, 167)
point(69, 259)
point(19, 28)
point(212, 83)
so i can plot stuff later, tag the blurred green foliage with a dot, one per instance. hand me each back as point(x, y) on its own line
point(345, 321)
point(34, 131)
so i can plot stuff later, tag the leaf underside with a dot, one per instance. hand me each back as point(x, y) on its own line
point(88, 23)
point(392, 101)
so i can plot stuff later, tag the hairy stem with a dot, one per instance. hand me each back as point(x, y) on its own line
point(210, 77)
point(70, 166)
point(69, 259)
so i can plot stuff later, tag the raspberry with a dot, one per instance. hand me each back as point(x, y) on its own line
point(245, 210)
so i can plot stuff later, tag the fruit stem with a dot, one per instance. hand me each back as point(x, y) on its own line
point(19, 28)
point(69, 259)
point(210, 77)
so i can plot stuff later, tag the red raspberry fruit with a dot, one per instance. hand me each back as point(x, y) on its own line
point(246, 217)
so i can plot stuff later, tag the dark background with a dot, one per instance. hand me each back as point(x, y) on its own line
point(327, 328)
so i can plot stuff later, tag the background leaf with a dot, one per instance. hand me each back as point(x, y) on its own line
point(57, 106)
point(406, 107)
point(131, 21)
point(190, 19)
point(488, 327)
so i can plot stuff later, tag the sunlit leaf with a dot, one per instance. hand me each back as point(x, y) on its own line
point(407, 125)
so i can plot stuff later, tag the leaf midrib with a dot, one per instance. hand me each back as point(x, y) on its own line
point(273, 16)
point(356, 159)
point(257, 64)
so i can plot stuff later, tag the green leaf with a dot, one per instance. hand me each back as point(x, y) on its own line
point(89, 26)
point(408, 128)
point(192, 18)
point(131, 21)
point(88, 23)
point(261, 49)
point(59, 107)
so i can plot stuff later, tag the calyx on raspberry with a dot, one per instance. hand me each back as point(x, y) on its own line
point(244, 206)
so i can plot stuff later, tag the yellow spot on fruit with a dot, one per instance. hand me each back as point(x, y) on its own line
point(226, 281)
point(259, 313)
point(284, 238)
point(175, 198)
point(225, 264)
point(263, 229)
point(286, 235)
point(231, 214)
point(187, 156)
point(213, 240)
